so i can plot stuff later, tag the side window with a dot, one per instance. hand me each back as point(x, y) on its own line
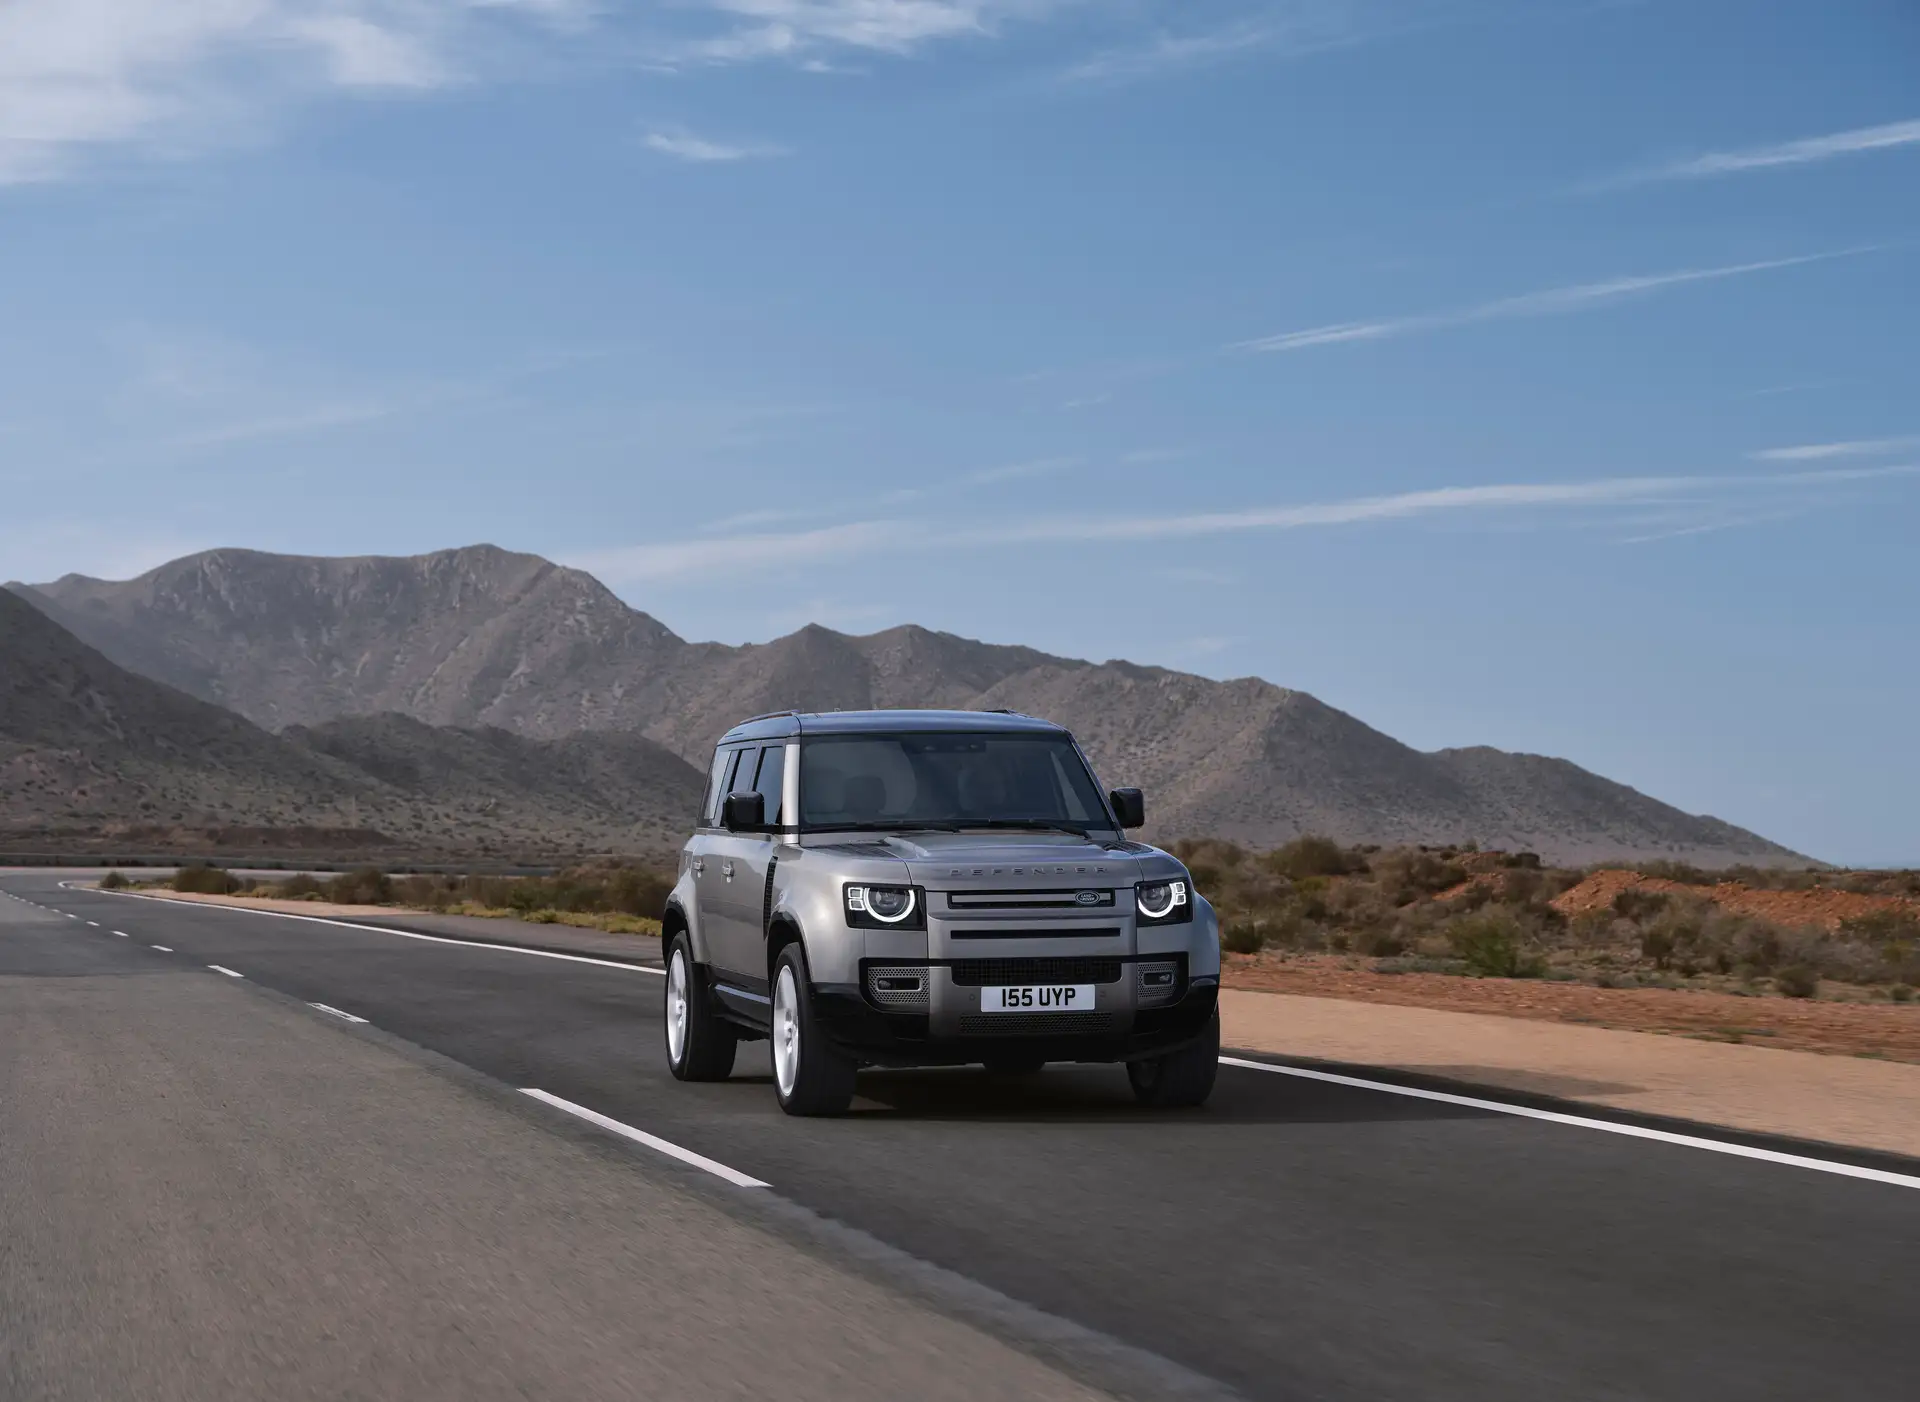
point(716, 786)
point(773, 767)
point(726, 780)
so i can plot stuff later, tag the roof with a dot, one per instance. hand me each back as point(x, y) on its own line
point(880, 722)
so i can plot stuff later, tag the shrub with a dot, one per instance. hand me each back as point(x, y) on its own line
point(113, 881)
point(203, 880)
point(1901, 993)
point(1636, 904)
point(364, 886)
point(1494, 942)
point(1242, 936)
point(1312, 856)
point(1797, 981)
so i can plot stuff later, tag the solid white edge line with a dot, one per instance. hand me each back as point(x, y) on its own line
point(403, 934)
point(640, 1136)
point(325, 1008)
point(1663, 1136)
point(222, 969)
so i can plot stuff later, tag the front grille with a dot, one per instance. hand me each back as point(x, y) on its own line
point(989, 973)
point(1079, 898)
point(901, 988)
point(1157, 982)
point(1036, 1024)
point(1055, 932)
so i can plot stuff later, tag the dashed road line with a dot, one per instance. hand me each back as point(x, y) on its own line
point(223, 969)
point(411, 935)
point(162, 948)
point(1663, 1136)
point(325, 1008)
point(652, 1141)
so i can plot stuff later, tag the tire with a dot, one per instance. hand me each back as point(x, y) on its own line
point(1182, 1078)
point(700, 1043)
point(810, 1075)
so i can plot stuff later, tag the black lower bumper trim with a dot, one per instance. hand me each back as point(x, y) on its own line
point(902, 1039)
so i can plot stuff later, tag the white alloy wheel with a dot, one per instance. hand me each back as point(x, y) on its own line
point(677, 1011)
point(786, 1031)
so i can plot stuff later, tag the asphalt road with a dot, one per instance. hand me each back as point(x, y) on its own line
point(1293, 1240)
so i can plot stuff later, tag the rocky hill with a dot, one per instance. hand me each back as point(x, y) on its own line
point(92, 752)
point(484, 637)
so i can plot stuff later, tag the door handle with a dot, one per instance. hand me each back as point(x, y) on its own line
point(726, 870)
point(699, 866)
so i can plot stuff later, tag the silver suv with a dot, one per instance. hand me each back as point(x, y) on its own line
point(931, 888)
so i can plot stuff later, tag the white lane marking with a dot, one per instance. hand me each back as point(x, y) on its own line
point(163, 949)
point(1689, 1141)
point(407, 934)
point(222, 969)
point(640, 1136)
point(122, 933)
point(93, 924)
point(336, 1012)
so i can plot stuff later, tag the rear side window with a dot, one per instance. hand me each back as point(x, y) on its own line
point(716, 786)
point(726, 780)
point(773, 767)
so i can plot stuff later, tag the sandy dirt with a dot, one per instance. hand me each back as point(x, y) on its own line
point(1883, 1030)
point(1825, 907)
point(1839, 1100)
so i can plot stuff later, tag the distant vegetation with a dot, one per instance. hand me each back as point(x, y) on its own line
point(1507, 915)
point(622, 898)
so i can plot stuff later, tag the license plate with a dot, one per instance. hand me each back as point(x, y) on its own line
point(1038, 998)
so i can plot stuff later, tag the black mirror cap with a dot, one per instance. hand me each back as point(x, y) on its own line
point(744, 812)
point(1129, 807)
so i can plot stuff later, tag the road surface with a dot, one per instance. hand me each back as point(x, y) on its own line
point(1296, 1239)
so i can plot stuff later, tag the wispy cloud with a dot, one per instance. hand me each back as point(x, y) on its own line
point(1855, 448)
point(84, 76)
point(683, 145)
point(807, 32)
point(1293, 31)
point(1697, 501)
point(1553, 301)
point(1806, 151)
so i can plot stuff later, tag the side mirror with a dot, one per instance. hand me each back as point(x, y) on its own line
point(1129, 807)
point(743, 812)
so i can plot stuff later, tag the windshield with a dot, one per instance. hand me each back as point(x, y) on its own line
point(947, 781)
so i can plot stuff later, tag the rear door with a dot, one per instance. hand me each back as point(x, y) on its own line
point(740, 944)
point(708, 888)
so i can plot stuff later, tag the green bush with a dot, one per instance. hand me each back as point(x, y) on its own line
point(203, 880)
point(1495, 943)
point(114, 881)
point(1901, 993)
point(1313, 856)
point(1797, 981)
point(1242, 936)
point(364, 886)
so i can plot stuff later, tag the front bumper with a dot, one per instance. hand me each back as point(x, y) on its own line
point(882, 1038)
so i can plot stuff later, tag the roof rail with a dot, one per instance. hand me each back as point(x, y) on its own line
point(1004, 711)
point(770, 715)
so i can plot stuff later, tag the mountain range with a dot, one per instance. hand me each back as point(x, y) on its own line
point(462, 673)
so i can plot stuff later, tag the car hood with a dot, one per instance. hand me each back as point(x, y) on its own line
point(1017, 861)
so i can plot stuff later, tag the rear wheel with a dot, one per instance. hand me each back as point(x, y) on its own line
point(700, 1043)
point(810, 1075)
point(1179, 1078)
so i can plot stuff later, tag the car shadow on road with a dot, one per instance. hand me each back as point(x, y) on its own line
point(1100, 1094)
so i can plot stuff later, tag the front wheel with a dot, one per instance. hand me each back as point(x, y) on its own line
point(700, 1043)
point(1179, 1078)
point(810, 1076)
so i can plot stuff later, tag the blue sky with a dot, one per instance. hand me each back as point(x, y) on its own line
point(1532, 374)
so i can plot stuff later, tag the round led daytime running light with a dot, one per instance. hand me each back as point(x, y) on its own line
point(1176, 897)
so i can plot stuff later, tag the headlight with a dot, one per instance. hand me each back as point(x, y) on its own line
point(885, 907)
point(1162, 902)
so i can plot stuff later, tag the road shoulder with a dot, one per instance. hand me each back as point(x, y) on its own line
point(1837, 1100)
